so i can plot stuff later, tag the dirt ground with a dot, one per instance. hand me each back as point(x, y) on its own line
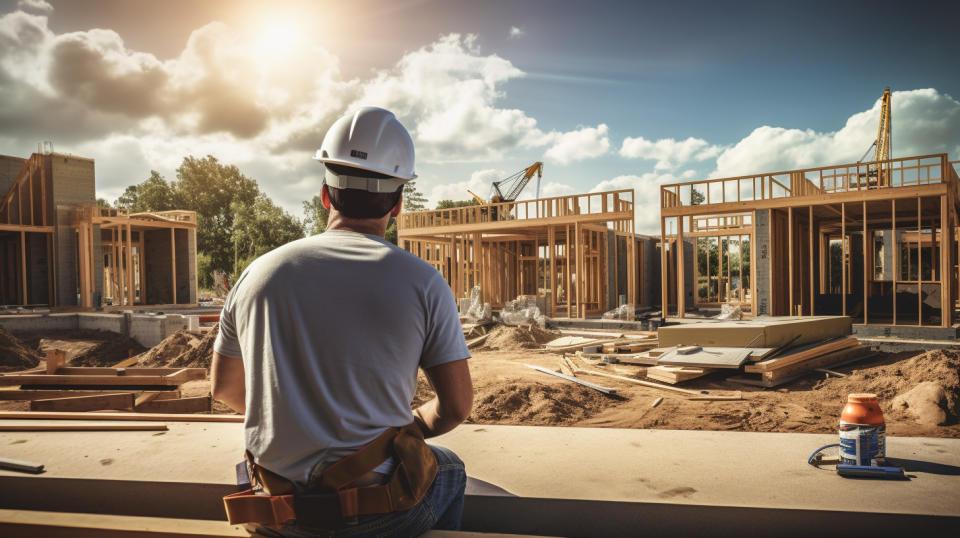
point(507, 392)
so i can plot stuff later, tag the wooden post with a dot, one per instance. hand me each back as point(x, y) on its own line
point(664, 273)
point(23, 265)
point(945, 272)
point(48, 239)
point(790, 309)
point(810, 280)
point(919, 265)
point(551, 241)
point(578, 245)
point(130, 292)
point(173, 264)
point(896, 256)
point(843, 257)
point(681, 281)
point(866, 280)
point(566, 264)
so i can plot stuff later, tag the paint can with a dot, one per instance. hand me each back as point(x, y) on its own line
point(862, 431)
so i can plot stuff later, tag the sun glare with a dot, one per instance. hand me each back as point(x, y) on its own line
point(277, 38)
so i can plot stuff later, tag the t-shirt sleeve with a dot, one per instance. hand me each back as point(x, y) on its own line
point(227, 342)
point(444, 335)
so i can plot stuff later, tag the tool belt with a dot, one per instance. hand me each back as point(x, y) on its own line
point(333, 502)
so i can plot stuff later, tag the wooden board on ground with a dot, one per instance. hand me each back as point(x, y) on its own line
point(770, 332)
point(676, 374)
point(47, 394)
point(164, 417)
point(605, 390)
point(633, 359)
point(627, 347)
point(782, 375)
point(708, 357)
point(802, 353)
point(119, 401)
point(52, 524)
point(199, 404)
point(68, 427)
point(126, 377)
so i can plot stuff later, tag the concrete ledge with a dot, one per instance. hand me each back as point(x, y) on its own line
point(531, 480)
point(147, 329)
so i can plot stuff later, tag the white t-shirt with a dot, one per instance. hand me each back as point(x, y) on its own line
point(332, 329)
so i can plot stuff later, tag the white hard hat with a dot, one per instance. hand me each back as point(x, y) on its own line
point(370, 139)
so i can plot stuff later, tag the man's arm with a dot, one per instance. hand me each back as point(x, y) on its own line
point(453, 403)
point(227, 380)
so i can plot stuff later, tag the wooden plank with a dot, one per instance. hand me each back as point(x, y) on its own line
point(138, 371)
point(801, 354)
point(639, 382)
point(118, 416)
point(67, 427)
point(604, 390)
point(83, 380)
point(21, 466)
point(676, 374)
point(185, 374)
point(199, 404)
point(25, 395)
point(755, 333)
point(173, 264)
point(122, 400)
point(783, 375)
point(55, 359)
point(63, 525)
point(126, 363)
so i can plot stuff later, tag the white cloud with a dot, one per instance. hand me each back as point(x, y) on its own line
point(516, 31)
point(668, 153)
point(646, 189)
point(35, 5)
point(479, 183)
point(583, 143)
point(925, 121)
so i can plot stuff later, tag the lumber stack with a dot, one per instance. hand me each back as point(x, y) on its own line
point(60, 388)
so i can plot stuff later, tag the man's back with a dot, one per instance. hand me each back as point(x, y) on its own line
point(333, 329)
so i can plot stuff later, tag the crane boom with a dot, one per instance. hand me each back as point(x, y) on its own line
point(513, 185)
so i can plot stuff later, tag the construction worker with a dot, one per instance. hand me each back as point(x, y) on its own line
point(319, 345)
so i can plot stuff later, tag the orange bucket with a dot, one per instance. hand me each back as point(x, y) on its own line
point(862, 431)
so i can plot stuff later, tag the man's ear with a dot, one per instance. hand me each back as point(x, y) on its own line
point(396, 209)
point(325, 197)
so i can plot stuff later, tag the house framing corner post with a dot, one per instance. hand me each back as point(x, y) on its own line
point(23, 266)
point(866, 280)
point(551, 240)
point(896, 256)
point(173, 264)
point(945, 265)
point(843, 258)
point(131, 293)
point(790, 299)
point(664, 272)
point(811, 279)
point(681, 271)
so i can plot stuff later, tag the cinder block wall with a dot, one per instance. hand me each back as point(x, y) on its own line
point(72, 183)
point(761, 266)
point(37, 267)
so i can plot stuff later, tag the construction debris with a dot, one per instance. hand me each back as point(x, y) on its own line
point(605, 390)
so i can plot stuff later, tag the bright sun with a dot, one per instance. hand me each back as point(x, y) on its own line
point(277, 38)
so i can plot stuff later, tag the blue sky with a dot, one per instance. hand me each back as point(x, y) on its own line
point(607, 94)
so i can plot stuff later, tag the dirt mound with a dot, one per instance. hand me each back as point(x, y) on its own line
point(507, 338)
point(201, 355)
point(536, 404)
point(887, 381)
point(14, 355)
point(84, 347)
point(182, 349)
point(169, 349)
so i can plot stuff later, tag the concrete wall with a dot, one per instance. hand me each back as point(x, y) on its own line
point(148, 329)
point(39, 322)
point(37, 269)
point(186, 267)
point(652, 279)
point(761, 266)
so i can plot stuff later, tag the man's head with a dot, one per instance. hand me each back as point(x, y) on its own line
point(367, 157)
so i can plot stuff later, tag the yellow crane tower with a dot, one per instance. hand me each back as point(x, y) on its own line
point(883, 142)
point(512, 186)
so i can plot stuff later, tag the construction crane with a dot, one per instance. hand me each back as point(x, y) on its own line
point(883, 143)
point(509, 188)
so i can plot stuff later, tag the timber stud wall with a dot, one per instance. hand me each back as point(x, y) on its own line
point(58, 248)
point(877, 241)
point(558, 249)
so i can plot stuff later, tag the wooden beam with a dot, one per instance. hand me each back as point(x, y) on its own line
point(61, 524)
point(130, 291)
point(866, 265)
point(35, 394)
point(790, 309)
point(181, 405)
point(812, 309)
point(122, 400)
point(681, 276)
point(5, 427)
point(919, 265)
point(664, 272)
point(896, 256)
point(946, 298)
point(23, 266)
point(173, 264)
point(51, 415)
point(843, 258)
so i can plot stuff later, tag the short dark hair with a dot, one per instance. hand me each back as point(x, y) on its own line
point(358, 204)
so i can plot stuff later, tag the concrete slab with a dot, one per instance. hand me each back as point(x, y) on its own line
point(534, 480)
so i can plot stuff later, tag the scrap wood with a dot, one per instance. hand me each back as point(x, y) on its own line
point(590, 334)
point(707, 357)
point(676, 374)
point(637, 381)
point(119, 416)
point(829, 372)
point(125, 363)
point(80, 427)
point(477, 341)
point(120, 400)
point(633, 359)
point(829, 359)
point(200, 404)
point(605, 390)
point(657, 402)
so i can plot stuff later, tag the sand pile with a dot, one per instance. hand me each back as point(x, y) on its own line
point(84, 347)
point(14, 355)
point(507, 338)
point(536, 404)
point(182, 349)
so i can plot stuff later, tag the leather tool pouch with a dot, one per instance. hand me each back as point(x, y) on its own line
point(333, 501)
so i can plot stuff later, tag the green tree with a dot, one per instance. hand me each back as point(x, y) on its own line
point(153, 194)
point(316, 217)
point(447, 204)
point(413, 200)
point(259, 228)
point(391, 233)
point(102, 202)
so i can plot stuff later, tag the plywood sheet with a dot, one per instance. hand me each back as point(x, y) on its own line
point(766, 332)
point(708, 357)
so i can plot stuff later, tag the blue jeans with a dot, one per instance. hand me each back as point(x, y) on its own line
point(441, 508)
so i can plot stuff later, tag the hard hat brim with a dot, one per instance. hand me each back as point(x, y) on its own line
point(362, 166)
